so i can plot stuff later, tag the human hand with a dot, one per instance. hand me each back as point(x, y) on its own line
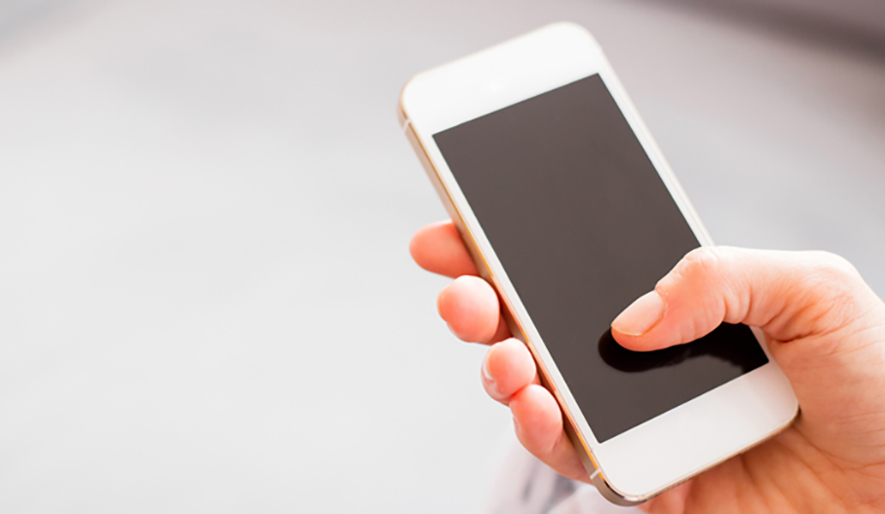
point(825, 328)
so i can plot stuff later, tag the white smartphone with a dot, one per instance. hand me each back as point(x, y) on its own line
point(570, 211)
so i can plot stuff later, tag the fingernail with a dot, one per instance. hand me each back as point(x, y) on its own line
point(641, 315)
point(516, 427)
point(490, 382)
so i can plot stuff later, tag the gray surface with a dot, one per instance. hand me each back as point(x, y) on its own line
point(206, 303)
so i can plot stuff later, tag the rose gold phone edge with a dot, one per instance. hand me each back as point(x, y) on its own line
point(485, 272)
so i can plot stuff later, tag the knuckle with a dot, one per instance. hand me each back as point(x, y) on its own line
point(831, 274)
point(706, 279)
point(702, 262)
point(832, 267)
point(834, 287)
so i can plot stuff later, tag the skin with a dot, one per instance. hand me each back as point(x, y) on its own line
point(825, 328)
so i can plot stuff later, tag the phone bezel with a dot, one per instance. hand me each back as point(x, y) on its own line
point(669, 448)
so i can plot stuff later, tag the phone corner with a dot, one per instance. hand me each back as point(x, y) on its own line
point(614, 496)
point(572, 29)
point(793, 414)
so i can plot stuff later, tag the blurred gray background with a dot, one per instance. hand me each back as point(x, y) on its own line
point(206, 299)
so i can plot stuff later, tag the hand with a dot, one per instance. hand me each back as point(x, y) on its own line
point(825, 328)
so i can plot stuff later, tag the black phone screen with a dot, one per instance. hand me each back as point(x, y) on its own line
point(584, 225)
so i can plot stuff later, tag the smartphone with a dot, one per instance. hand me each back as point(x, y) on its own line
point(569, 210)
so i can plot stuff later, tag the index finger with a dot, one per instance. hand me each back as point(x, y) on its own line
point(438, 248)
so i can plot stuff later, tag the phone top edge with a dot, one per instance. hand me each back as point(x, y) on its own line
point(556, 28)
point(561, 35)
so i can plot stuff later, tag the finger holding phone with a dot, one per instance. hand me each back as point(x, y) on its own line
point(826, 330)
point(567, 207)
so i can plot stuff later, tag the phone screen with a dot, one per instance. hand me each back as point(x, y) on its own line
point(583, 225)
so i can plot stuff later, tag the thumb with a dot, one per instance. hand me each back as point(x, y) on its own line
point(825, 327)
point(789, 295)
